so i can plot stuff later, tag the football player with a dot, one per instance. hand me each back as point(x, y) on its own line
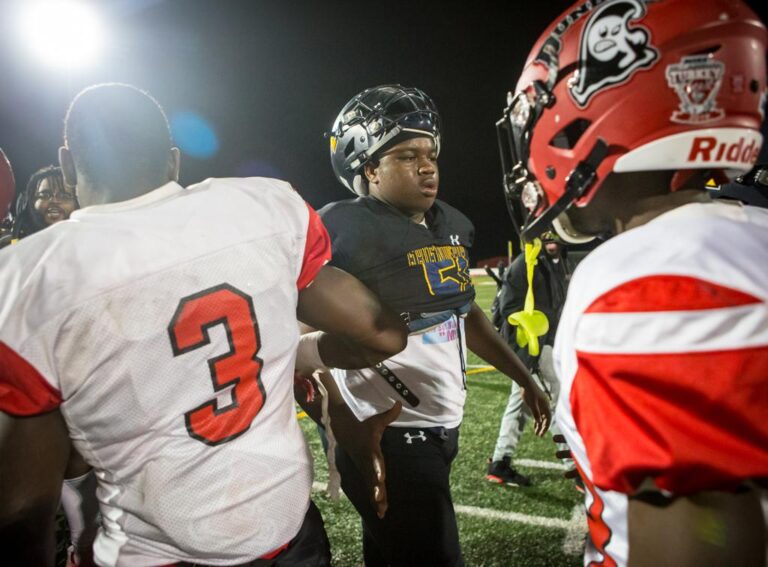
point(411, 249)
point(159, 332)
point(662, 347)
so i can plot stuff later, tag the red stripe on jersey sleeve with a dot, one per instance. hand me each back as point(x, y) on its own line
point(317, 250)
point(599, 530)
point(692, 421)
point(668, 293)
point(23, 391)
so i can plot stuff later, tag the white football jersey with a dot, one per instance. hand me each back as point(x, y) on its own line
point(164, 329)
point(429, 380)
point(662, 351)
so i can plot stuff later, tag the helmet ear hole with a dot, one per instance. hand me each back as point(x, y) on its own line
point(569, 136)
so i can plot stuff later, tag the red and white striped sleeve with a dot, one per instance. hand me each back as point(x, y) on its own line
point(28, 386)
point(317, 250)
point(672, 384)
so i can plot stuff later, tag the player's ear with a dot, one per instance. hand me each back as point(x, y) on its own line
point(67, 167)
point(174, 164)
point(371, 171)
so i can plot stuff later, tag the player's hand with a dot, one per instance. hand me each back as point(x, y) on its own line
point(538, 403)
point(362, 441)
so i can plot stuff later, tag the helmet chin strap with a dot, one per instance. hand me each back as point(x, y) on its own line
point(567, 233)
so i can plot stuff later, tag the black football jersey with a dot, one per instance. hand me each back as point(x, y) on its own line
point(412, 268)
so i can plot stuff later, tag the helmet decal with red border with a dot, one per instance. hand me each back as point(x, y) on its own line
point(697, 80)
point(611, 51)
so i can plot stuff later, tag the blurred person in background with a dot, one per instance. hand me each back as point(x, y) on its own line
point(45, 201)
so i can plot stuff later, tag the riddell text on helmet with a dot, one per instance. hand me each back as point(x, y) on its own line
point(708, 149)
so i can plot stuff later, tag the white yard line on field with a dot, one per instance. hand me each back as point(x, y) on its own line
point(575, 526)
point(541, 464)
point(575, 532)
point(511, 517)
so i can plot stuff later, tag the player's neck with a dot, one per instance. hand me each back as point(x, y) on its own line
point(416, 218)
point(645, 210)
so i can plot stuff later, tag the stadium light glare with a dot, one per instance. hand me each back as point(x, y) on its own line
point(64, 33)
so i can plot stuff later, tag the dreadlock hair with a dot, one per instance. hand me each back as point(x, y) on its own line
point(24, 222)
point(119, 139)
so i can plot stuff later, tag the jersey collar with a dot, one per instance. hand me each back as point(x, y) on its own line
point(158, 195)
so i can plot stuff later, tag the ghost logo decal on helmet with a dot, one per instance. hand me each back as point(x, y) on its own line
point(611, 51)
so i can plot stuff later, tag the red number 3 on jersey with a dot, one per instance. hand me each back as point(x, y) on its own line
point(195, 315)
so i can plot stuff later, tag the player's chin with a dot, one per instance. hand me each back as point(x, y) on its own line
point(425, 200)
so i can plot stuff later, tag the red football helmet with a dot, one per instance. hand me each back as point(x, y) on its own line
point(7, 185)
point(631, 85)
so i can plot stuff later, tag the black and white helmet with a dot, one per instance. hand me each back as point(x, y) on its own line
point(371, 121)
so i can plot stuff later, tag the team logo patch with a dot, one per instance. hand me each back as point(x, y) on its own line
point(611, 51)
point(697, 80)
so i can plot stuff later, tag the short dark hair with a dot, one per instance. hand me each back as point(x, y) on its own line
point(118, 136)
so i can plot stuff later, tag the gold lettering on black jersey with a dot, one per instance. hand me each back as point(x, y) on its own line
point(446, 268)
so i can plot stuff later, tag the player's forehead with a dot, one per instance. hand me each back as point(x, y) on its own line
point(417, 144)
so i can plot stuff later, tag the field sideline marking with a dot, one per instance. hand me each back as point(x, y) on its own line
point(479, 370)
point(542, 464)
point(575, 526)
point(512, 517)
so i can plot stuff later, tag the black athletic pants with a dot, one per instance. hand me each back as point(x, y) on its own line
point(420, 525)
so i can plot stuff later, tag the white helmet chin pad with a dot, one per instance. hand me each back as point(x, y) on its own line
point(359, 186)
point(567, 233)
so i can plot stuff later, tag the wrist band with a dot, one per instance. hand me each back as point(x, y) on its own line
point(308, 353)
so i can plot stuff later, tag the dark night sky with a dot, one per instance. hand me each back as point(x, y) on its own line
point(271, 75)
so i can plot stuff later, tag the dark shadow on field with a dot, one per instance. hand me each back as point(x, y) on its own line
point(542, 494)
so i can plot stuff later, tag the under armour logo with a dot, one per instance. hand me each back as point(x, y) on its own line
point(455, 239)
point(409, 438)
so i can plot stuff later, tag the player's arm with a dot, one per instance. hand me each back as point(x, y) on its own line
point(358, 330)
point(485, 342)
point(33, 457)
point(704, 529)
point(81, 507)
